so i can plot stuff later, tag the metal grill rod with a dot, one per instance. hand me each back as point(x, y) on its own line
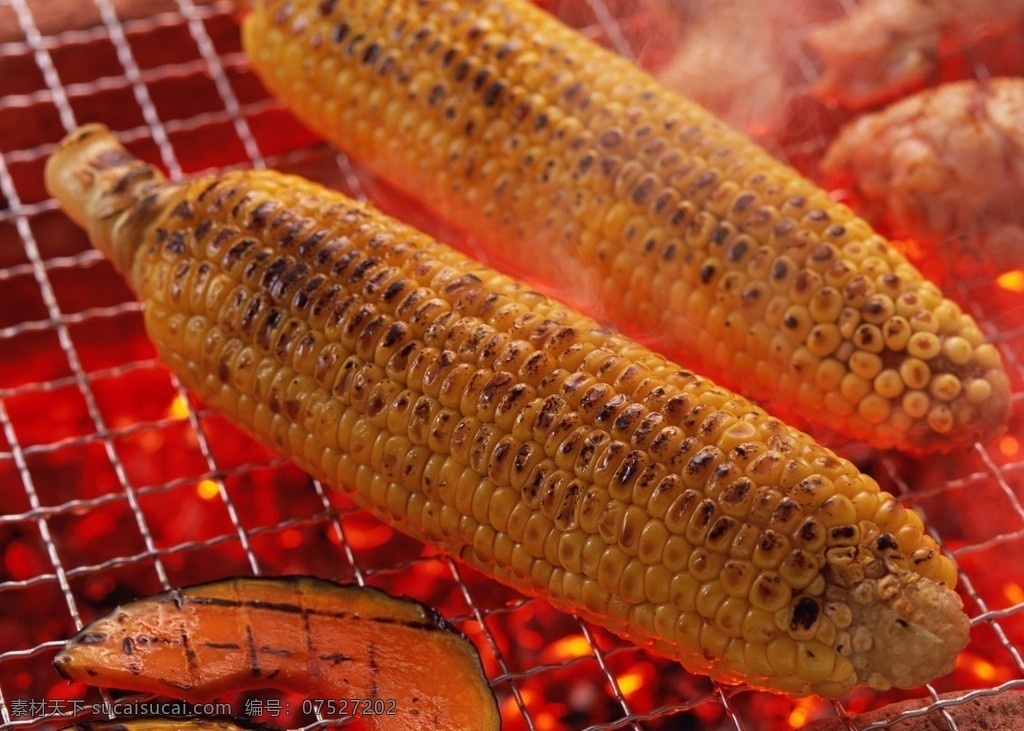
point(220, 80)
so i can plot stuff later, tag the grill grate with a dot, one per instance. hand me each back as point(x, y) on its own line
point(114, 483)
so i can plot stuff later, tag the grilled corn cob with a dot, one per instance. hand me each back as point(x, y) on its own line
point(565, 159)
point(518, 435)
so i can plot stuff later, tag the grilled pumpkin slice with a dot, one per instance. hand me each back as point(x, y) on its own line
point(393, 662)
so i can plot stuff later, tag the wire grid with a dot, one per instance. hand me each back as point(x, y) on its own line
point(174, 85)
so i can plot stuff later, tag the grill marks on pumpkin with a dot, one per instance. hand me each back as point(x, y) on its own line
point(190, 637)
point(285, 633)
point(293, 608)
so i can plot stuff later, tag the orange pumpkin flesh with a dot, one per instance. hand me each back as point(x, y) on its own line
point(394, 662)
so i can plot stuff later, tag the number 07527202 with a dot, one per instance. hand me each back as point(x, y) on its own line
point(350, 706)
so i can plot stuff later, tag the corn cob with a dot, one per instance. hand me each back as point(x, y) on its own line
point(561, 157)
point(352, 650)
point(518, 435)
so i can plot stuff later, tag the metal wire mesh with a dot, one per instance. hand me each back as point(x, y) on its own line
point(114, 483)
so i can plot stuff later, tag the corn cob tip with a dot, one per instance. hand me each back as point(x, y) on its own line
point(906, 629)
point(104, 189)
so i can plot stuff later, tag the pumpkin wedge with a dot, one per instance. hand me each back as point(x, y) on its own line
point(395, 663)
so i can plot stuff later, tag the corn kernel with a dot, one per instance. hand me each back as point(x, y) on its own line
point(799, 568)
point(915, 373)
point(814, 661)
point(656, 582)
point(769, 592)
point(888, 384)
point(782, 655)
point(924, 321)
point(825, 305)
point(730, 616)
point(978, 391)
point(854, 388)
point(945, 387)
point(874, 408)
point(737, 577)
point(924, 345)
point(865, 365)
point(631, 581)
point(940, 418)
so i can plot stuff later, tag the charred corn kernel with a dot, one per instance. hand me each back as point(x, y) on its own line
point(560, 156)
point(826, 304)
point(518, 435)
point(925, 346)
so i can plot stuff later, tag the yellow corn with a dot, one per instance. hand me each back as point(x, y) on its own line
point(567, 161)
point(519, 435)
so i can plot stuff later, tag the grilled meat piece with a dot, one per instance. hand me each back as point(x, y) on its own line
point(945, 167)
